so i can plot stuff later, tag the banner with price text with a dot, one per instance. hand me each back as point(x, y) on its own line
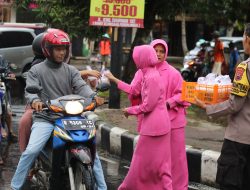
point(117, 13)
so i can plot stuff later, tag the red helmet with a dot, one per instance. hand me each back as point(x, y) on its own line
point(53, 38)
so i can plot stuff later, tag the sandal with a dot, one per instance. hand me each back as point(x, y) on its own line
point(4, 133)
point(31, 174)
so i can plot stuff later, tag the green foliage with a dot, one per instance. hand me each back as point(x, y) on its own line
point(69, 15)
point(72, 15)
point(22, 3)
point(226, 12)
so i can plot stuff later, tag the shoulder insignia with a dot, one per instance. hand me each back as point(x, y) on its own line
point(240, 84)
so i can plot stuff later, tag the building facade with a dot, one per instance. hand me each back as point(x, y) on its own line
point(7, 11)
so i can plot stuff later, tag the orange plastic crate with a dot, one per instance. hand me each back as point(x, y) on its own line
point(210, 94)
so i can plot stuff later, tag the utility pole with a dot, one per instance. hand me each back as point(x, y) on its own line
point(116, 60)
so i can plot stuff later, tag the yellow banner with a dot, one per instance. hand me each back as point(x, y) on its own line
point(117, 8)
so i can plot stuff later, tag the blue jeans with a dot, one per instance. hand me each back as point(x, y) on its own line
point(98, 173)
point(40, 133)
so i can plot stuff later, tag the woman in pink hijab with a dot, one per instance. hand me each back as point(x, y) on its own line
point(172, 81)
point(151, 163)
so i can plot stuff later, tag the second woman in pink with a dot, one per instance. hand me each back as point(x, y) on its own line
point(172, 80)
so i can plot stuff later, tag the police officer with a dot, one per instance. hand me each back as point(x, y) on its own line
point(233, 170)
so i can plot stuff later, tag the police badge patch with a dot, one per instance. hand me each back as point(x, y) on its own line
point(240, 84)
point(239, 73)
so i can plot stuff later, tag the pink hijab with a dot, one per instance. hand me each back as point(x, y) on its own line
point(164, 44)
point(144, 56)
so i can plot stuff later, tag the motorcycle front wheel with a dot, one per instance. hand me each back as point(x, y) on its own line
point(83, 177)
point(186, 76)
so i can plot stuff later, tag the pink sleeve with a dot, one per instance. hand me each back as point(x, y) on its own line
point(134, 89)
point(150, 97)
point(124, 86)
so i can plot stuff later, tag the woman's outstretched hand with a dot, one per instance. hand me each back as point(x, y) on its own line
point(126, 114)
point(111, 77)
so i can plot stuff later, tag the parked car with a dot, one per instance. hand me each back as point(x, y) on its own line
point(16, 46)
point(38, 27)
point(16, 43)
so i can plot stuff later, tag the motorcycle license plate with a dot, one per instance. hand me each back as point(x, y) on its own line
point(78, 124)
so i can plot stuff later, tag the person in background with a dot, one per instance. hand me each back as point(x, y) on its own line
point(219, 56)
point(233, 59)
point(6, 108)
point(233, 170)
point(11, 136)
point(105, 50)
point(147, 171)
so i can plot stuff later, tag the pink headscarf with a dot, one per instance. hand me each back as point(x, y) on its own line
point(163, 43)
point(144, 56)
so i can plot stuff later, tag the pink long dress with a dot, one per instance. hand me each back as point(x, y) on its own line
point(151, 163)
point(177, 113)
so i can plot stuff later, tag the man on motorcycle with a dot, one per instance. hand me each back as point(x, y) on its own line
point(56, 78)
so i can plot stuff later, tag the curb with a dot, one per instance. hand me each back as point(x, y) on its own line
point(202, 164)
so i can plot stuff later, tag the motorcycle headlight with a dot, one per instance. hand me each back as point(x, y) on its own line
point(73, 107)
point(190, 62)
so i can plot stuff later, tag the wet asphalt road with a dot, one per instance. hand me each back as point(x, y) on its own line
point(114, 169)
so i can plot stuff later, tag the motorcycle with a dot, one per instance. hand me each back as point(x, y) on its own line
point(73, 140)
point(5, 98)
point(198, 65)
point(194, 69)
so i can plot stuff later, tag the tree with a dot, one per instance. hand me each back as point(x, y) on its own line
point(72, 16)
point(167, 10)
point(229, 13)
point(69, 15)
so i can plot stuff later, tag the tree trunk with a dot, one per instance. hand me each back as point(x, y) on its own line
point(141, 37)
point(77, 46)
point(183, 33)
point(230, 29)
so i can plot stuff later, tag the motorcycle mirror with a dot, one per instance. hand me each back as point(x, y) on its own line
point(2, 69)
point(34, 89)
